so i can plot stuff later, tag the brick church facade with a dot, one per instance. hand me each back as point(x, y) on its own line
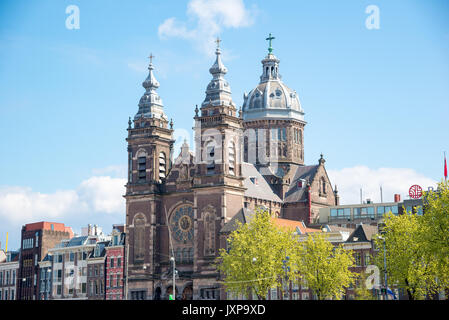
point(178, 206)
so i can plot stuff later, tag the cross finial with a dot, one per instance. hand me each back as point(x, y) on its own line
point(270, 37)
point(151, 57)
point(218, 42)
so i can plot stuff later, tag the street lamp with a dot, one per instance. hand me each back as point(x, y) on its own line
point(385, 268)
point(286, 268)
point(172, 259)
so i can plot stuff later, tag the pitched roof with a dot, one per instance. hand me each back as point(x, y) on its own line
point(243, 216)
point(256, 185)
point(295, 193)
point(293, 225)
point(363, 233)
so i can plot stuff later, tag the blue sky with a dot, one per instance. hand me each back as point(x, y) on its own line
point(376, 101)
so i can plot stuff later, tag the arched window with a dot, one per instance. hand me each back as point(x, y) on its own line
point(232, 158)
point(185, 255)
point(209, 234)
point(323, 186)
point(139, 237)
point(141, 166)
point(210, 157)
point(162, 167)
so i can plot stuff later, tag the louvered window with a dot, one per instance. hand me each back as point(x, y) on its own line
point(232, 158)
point(142, 170)
point(162, 166)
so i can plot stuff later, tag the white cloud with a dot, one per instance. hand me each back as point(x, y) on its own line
point(210, 18)
point(98, 194)
point(103, 194)
point(393, 181)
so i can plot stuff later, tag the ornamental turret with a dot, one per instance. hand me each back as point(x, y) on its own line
point(150, 105)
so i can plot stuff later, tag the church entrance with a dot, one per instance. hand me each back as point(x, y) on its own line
point(187, 293)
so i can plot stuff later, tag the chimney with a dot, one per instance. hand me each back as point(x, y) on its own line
point(397, 198)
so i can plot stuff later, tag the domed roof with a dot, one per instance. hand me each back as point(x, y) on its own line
point(271, 99)
point(218, 91)
point(150, 104)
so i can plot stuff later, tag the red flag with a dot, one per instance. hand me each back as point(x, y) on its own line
point(445, 167)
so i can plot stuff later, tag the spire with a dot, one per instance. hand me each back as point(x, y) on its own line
point(218, 91)
point(270, 69)
point(150, 105)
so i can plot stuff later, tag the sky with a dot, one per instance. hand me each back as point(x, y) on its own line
point(374, 86)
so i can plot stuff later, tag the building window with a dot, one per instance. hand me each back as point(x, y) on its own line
point(367, 259)
point(358, 259)
point(112, 263)
point(232, 158)
point(37, 239)
point(119, 262)
point(142, 170)
point(323, 186)
point(274, 293)
point(210, 157)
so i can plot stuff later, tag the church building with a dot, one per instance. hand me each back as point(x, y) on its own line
point(178, 206)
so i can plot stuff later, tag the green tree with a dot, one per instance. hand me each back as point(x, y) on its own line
point(361, 291)
point(254, 260)
point(435, 227)
point(323, 266)
point(409, 264)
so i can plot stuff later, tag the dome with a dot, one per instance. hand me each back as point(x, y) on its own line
point(150, 104)
point(218, 92)
point(271, 99)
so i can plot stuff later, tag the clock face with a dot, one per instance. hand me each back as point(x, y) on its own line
point(182, 224)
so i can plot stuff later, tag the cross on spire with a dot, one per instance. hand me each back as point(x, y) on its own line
point(270, 37)
point(151, 57)
point(218, 42)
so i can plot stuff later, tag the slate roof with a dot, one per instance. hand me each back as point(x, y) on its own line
point(262, 189)
point(101, 252)
point(294, 193)
point(77, 241)
point(48, 257)
point(244, 215)
point(363, 233)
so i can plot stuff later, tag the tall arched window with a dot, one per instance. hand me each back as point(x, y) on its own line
point(323, 186)
point(139, 237)
point(209, 234)
point(162, 167)
point(232, 158)
point(210, 157)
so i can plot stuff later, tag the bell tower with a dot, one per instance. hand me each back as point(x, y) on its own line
point(218, 182)
point(150, 145)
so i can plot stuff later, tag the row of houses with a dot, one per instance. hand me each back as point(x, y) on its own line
point(55, 264)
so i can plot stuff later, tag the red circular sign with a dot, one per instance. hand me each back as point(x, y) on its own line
point(415, 192)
